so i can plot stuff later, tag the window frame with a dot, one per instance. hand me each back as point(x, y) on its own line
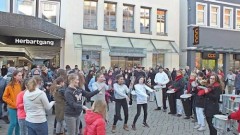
point(165, 25)
point(150, 26)
point(237, 9)
point(205, 13)
point(133, 31)
point(96, 14)
point(16, 11)
point(8, 7)
point(218, 15)
point(231, 18)
point(115, 29)
point(58, 9)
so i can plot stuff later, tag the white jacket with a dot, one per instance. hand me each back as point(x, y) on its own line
point(141, 93)
point(161, 78)
point(35, 105)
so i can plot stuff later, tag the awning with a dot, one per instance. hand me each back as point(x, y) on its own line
point(119, 42)
point(165, 46)
point(142, 43)
point(90, 41)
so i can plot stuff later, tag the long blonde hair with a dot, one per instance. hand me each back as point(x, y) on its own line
point(99, 106)
point(33, 82)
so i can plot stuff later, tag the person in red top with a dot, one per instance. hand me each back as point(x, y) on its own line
point(21, 114)
point(236, 116)
point(95, 119)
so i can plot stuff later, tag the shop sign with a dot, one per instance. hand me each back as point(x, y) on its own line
point(210, 55)
point(236, 56)
point(195, 35)
point(31, 41)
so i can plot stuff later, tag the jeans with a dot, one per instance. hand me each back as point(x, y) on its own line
point(37, 128)
point(212, 129)
point(200, 116)
point(72, 124)
point(13, 122)
point(164, 97)
point(179, 106)
point(59, 127)
point(120, 103)
point(144, 106)
point(23, 126)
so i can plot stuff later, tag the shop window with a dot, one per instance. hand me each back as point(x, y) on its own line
point(161, 22)
point(215, 16)
point(228, 18)
point(145, 20)
point(198, 60)
point(128, 18)
point(90, 14)
point(158, 59)
point(125, 62)
point(25, 7)
point(90, 60)
point(4, 5)
point(49, 11)
point(220, 61)
point(201, 17)
point(234, 64)
point(110, 16)
point(238, 19)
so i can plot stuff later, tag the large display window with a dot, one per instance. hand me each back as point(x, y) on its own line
point(125, 62)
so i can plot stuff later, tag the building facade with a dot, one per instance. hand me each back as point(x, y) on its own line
point(121, 33)
point(210, 36)
point(30, 32)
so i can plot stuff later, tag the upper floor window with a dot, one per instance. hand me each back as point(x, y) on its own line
point(238, 19)
point(110, 16)
point(4, 5)
point(25, 7)
point(228, 18)
point(90, 14)
point(161, 21)
point(145, 20)
point(215, 15)
point(49, 11)
point(201, 17)
point(128, 18)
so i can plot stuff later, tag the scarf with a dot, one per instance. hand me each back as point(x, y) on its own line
point(178, 77)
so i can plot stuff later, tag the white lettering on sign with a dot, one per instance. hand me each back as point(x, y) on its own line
point(33, 42)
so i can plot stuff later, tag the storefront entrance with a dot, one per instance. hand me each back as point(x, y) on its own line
point(90, 60)
point(125, 62)
point(209, 64)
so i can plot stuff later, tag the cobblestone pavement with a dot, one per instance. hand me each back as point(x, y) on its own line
point(161, 123)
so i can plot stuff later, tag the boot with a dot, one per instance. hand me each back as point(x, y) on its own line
point(125, 127)
point(114, 129)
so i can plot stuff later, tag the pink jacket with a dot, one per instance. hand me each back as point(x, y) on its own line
point(21, 114)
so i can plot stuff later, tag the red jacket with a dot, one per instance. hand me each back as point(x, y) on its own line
point(95, 124)
point(236, 116)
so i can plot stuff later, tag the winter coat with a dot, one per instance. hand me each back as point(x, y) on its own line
point(178, 86)
point(95, 124)
point(236, 116)
point(211, 100)
point(3, 84)
point(237, 82)
point(60, 103)
point(199, 99)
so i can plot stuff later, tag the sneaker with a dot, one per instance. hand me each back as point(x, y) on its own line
point(145, 125)
point(202, 128)
point(157, 109)
point(164, 110)
point(134, 127)
point(114, 129)
point(197, 126)
point(187, 117)
point(179, 115)
point(125, 127)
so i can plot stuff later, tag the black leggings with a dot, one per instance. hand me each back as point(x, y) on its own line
point(212, 129)
point(144, 106)
point(118, 104)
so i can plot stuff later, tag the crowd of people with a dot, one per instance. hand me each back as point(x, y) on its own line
point(26, 94)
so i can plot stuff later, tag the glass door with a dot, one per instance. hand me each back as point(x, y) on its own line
point(209, 64)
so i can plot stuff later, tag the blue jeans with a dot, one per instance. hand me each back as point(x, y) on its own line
point(37, 128)
point(13, 122)
point(23, 126)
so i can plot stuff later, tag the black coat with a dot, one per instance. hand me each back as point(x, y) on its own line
point(179, 86)
point(211, 103)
